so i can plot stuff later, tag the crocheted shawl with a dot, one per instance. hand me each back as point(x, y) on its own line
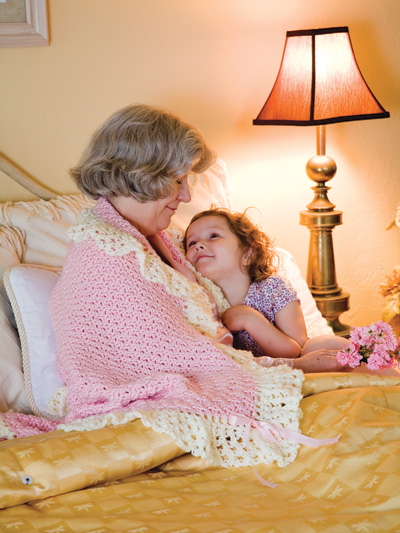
point(136, 338)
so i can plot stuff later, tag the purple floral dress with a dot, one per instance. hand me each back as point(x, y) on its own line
point(268, 297)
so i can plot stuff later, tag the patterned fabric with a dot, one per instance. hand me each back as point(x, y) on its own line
point(109, 480)
point(134, 335)
point(268, 297)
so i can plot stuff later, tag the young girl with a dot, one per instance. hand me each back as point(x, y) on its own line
point(265, 314)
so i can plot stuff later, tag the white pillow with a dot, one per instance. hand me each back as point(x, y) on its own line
point(315, 322)
point(28, 288)
point(30, 232)
point(12, 391)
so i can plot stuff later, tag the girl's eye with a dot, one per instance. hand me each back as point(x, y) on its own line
point(191, 243)
point(214, 236)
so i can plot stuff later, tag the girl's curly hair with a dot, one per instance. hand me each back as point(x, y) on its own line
point(263, 260)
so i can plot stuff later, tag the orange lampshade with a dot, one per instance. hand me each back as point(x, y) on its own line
point(319, 82)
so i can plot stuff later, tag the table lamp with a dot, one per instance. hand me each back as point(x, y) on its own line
point(319, 83)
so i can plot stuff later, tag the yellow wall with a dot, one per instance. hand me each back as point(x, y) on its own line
point(214, 62)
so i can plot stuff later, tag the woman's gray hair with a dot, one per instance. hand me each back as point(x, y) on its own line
point(140, 151)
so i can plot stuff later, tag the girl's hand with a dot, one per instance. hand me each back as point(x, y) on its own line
point(270, 339)
point(239, 317)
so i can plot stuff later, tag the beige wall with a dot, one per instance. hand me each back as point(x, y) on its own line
point(214, 62)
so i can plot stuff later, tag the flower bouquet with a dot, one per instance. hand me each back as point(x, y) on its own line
point(376, 345)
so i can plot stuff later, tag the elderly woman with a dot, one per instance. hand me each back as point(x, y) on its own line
point(137, 328)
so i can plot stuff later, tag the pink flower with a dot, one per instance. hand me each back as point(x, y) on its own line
point(375, 345)
point(374, 362)
point(349, 356)
point(380, 356)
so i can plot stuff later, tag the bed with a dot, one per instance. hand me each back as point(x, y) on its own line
point(128, 477)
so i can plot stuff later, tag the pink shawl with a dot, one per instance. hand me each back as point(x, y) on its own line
point(135, 335)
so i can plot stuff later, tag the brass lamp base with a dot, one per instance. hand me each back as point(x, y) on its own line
point(321, 274)
point(331, 308)
point(321, 218)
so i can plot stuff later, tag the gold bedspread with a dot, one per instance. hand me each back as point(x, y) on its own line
point(131, 479)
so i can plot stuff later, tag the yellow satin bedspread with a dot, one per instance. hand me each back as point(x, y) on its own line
point(131, 479)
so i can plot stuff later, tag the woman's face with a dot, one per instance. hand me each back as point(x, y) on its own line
point(154, 216)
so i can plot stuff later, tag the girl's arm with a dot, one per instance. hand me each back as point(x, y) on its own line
point(290, 320)
point(285, 339)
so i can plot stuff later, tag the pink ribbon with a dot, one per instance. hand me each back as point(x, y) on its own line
point(272, 433)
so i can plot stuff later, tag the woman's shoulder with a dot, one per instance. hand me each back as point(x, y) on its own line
point(113, 235)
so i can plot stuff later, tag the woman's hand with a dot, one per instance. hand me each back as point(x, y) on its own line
point(318, 361)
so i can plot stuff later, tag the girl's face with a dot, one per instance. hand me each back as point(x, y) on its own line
point(213, 249)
